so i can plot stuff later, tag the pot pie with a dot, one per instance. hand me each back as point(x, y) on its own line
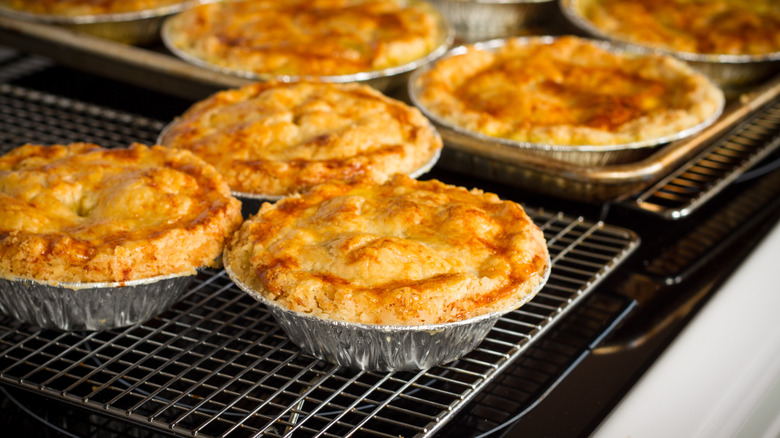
point(727, 27)
point(566, 91)
point(306, 38)
point(81, 213)
point(276, 138)
point(405, 252)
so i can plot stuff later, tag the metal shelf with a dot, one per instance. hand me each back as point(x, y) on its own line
point(721, 163)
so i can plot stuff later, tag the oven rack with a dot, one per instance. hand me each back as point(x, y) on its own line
point(217, 364)
point(725, 160)
point(513, 393)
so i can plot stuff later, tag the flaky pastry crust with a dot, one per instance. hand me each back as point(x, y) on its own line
point(81, 213)
point(568, 91)
point(726, 27)
point(405, 252)
point(307, 38)
point(277, 138)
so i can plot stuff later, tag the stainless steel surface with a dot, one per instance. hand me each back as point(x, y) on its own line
point(383, 80)
point(89, 306)
point(217, 364)
point(726, 70)
point(380, 347)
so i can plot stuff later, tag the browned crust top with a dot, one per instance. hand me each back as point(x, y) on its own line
point(276, 138)
point(405, 252)
point(83, 213)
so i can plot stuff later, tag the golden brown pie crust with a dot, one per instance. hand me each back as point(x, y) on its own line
point(82, 213)
point(276, 138)
point(307, 38)
point(405, 252)
point(727, 27)
point(568, 91)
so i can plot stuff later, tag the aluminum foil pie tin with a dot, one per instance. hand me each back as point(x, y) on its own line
point(477, 20)
point(251, 202)
point(382, 80)
point(590, 155)
point(90, 306)
point(725, 70)
point(137, 27)
point(380, 347)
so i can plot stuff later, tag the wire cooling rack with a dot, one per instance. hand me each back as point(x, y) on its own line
point(216, 364)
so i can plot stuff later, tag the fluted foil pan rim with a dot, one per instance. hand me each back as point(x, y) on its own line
point(91, 306)
point(76, 285)
point(380, 347)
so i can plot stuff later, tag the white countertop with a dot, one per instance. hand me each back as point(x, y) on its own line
point(721, 376)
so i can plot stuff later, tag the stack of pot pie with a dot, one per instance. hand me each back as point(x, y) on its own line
point(80, 213)
point(404, 252)
point(272, 38)
point(276, 138)
point(566, 91)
